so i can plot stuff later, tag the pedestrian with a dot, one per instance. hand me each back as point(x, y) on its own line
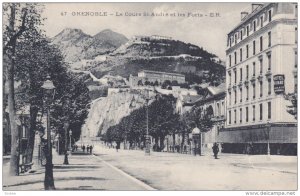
point(83, 148)
point(88, 148)
point(91, 149)
point(215, 150)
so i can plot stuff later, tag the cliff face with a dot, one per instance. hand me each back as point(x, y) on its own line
point(108, 111)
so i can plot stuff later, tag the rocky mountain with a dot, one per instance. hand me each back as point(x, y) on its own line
point(77, 45)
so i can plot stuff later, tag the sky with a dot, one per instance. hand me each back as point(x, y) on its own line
point(199, 27)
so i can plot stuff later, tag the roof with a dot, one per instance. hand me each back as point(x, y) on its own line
point(249, 16)
point(159, 72)
point(190, 98)
point(215, 90)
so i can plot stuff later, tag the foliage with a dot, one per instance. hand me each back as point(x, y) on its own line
point(161, 120)
point(292, 109)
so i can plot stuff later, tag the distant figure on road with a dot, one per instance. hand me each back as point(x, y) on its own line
point(88, 148)
point(118, 146)
point(215, 150)
point(91, 149)
point(83, 148)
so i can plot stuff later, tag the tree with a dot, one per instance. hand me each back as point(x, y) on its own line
point(292, 109)
point(200, 118)
point(19, 20)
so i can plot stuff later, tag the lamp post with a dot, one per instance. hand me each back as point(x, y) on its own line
point(70, 147)
point(66, 127)
point(147, 149)
point(49, 90)
point(268, 144)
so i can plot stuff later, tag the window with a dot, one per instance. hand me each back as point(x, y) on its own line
point(261, 21)
point(261, 43)
point(253, 69)
point(241, 34)
point(260, 66)
point(230, 41)
point(247, 114)
point(241, 115)
point(253, 47)
point(296, 35)
point(296, 59)
point(254, 25)
point(260, 112)
point(253, 108)
point(296, 10)
point(229, 114)
point(261, 89)
point(269, 110)
point(247, 51)
point(234, 57)
point(247, 93)
point(241, 74)
point(247, 30)
point(241, 54)
point(247, 72)
point(241, 95)
point(235, 38)
point(269, 39)
point(270, 15)
point(229, 60)
point(295, 83)
point(253, 87)
point(234, 116)
point(269, 61)
point(235, 76)
point(229, 98)
point(269, 86)
point(235, 96)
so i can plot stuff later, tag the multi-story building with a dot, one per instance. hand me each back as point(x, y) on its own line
point(213, 104)
point(261, 69)
point(155, 76)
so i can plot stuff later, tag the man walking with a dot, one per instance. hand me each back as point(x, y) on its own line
point(215, 150)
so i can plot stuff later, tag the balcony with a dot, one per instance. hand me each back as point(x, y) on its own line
point(268, 74)
point(234, 87)
point(253, 79)
point(260, 77)
point(240, 84)
point(246, 83)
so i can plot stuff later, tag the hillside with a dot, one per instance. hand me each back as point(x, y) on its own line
point(76, 45)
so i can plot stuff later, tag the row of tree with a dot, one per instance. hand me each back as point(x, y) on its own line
point(162, 121)
point(29, 57)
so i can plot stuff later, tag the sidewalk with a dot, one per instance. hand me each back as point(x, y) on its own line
point(84, 172)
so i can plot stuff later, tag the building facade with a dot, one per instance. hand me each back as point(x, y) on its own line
point(214, 105)
point(155, 76)
point(261, 69)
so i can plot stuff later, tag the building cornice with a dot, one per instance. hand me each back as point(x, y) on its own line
point(260, 31)
point(250, 17)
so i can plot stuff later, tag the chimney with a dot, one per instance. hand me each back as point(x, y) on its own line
point(243, 15)
point(256, 5)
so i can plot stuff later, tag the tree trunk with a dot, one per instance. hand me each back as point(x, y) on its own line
point(14, 158)
point(31, 134)
point(162, 142)
point(173, 149)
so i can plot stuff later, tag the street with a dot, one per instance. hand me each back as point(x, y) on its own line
point(107, 169)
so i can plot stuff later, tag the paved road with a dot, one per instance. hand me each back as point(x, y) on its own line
point(173, 171)
point(85, 172)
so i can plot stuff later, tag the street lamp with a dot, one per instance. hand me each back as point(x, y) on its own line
point(49, 90)
point(147, 150)
point(70, 147)
point(268, 131)
point(66, 127)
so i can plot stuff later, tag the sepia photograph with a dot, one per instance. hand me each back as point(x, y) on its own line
point(150, 96)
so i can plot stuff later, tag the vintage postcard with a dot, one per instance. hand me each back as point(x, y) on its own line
point(150, 96)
